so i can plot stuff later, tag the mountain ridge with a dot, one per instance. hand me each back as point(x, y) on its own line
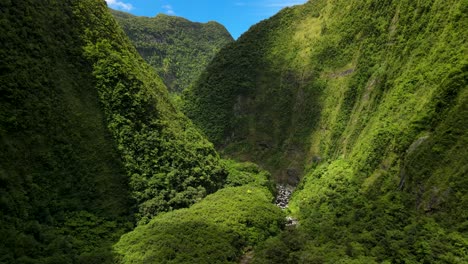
point(91, 143)
point(363, 105)
point(177, 48)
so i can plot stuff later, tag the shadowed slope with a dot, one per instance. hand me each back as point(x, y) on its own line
point(368, 100)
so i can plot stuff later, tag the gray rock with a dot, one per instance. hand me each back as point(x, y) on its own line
point(284, 193)
point(291, 221)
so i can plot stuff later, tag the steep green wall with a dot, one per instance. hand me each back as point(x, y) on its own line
point(63, 190)
point(169, 162)
point(89, 141)
point(367, 99)
point(258, 99)
point(178, 49)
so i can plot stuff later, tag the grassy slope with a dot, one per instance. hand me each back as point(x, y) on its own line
point(369, 99)
point(178, 49)
point(88, 136)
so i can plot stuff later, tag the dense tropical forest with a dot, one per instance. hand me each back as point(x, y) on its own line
point(178, 49)
point(360, 107)
point(364, 104)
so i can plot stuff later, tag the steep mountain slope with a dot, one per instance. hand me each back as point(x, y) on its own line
point(88, 138)
point(178, 49)
point(367, 99)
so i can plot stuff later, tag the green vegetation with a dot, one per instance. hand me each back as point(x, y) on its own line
point(216, 230)
point(169, 163)
point(89, 140)
point(259, 96)
point(59, 171)
point(362, 103)
point(366, 99)
point(178, 49)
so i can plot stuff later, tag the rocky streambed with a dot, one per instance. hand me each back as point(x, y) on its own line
point(283, 195)
point(282, 201)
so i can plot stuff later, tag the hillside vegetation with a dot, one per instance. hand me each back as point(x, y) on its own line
point(219, 229)
point(364, 103)
point(90, 143)
point(178, 49)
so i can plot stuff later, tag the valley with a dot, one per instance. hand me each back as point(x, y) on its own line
point(333, 132)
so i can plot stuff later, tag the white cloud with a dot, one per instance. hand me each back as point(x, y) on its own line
point(119, 5)
point(169, 10)
point(285, 4)
point(272, 3)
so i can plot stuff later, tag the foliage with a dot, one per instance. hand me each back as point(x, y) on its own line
point(56, 155)
point(259, 96)
point(88, 136)
point(214, 230)
point(178, 49)
point(246, 173)
point(169, 163)
point(369, 100)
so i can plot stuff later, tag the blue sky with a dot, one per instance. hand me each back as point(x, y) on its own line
point(236, 15)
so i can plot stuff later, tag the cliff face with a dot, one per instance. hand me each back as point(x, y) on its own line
point(366, 102)
point(178, 49)
point(89, 140)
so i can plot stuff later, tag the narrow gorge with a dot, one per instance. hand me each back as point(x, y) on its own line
point(332, 132)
